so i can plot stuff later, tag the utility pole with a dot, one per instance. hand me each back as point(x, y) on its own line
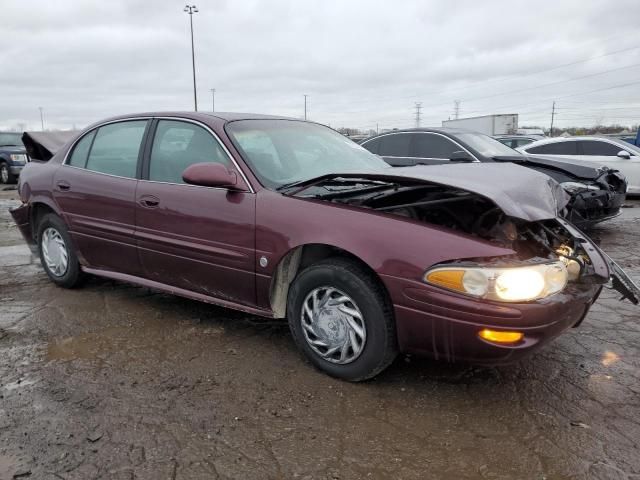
point(191, 9)
point(377, 129)
point(305, 106)
point(41, 118)
point(213, 99)
point(553, 114)
point(456, 109)
point(418, 106)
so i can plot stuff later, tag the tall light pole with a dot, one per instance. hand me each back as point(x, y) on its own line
point(213, 99)
point(191, 9)
point(41, 118)
point(305, 106)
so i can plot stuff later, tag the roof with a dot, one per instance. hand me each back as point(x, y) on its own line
point(444, 130)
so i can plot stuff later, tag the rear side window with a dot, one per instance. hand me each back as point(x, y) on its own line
point(593, 147)
point(116, 148)
point(395, 145)
point(177, 145)
point(373, 145)
point(427, 145)
point(81, 151)
point(556, 148)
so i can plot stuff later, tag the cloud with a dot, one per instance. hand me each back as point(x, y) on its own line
point(361, 63)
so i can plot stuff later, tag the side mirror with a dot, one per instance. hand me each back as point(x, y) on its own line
point(460, 156)
point(209, 175)
point(624, 154)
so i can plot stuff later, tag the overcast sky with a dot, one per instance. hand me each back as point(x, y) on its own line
point(362, 63)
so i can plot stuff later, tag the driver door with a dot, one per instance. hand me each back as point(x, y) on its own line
point(200, 239)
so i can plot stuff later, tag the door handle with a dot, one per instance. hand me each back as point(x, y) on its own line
point(149, 201)
point(64, 186)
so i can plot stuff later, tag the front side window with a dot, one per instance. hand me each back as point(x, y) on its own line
point(555, 148)
point(286, 151)
point(395, 145)
point(116, 148)
point(177, 145)
point(593, 147)
point(428, 145)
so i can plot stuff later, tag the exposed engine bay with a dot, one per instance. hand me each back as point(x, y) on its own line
point(476, 215)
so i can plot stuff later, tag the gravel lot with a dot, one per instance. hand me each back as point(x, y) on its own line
point(114, 381)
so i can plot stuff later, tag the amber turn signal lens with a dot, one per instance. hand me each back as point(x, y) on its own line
point(451, 279)
point(497, 336)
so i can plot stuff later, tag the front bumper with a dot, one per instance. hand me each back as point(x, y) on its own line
point(22, 217)
point(445, 325)
point(15, 169)
point(591, 207)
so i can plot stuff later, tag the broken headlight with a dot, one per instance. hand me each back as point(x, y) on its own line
point(513, 284)
point(574, 187)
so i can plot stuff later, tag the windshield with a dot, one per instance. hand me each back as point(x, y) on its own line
point(282, 152)
point(10, 139)
point(487, 146)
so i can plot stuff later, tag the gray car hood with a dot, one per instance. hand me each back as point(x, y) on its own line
point(520, 192)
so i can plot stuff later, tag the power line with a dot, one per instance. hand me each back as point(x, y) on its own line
point(418, 106)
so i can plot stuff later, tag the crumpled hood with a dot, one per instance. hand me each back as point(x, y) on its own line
point(519, 192)
point(44, 145)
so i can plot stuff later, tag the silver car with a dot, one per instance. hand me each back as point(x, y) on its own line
point(613, 153)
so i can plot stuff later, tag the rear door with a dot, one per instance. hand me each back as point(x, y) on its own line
point(196, 238)
point(95, 189)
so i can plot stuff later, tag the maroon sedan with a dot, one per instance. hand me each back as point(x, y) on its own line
point(285, 218)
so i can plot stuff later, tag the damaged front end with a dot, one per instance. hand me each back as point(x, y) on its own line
point(596, 200)
point(548, 249)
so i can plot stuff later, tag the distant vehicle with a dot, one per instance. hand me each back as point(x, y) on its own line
point(515, 141)
point(13, 156)
point(596, 194)
point(611, 152)
point(491, 125)
point(536, 132)
point(284, 218)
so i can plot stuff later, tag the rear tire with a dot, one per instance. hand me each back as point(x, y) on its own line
point(341, 319)
point(57, 254)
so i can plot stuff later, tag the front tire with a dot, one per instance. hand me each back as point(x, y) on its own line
point(6, 177)
point(341, 319)
point(57, 254)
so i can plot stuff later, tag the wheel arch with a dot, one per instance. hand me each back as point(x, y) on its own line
point(37, 211)
point(301, 257)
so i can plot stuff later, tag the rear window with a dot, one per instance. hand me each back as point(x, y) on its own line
point(556, 148)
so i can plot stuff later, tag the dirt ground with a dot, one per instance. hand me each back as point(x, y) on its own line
point(115, 381)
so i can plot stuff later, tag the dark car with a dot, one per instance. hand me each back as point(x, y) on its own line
point(285, 218)
point(13, 156)
point(596, 192)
